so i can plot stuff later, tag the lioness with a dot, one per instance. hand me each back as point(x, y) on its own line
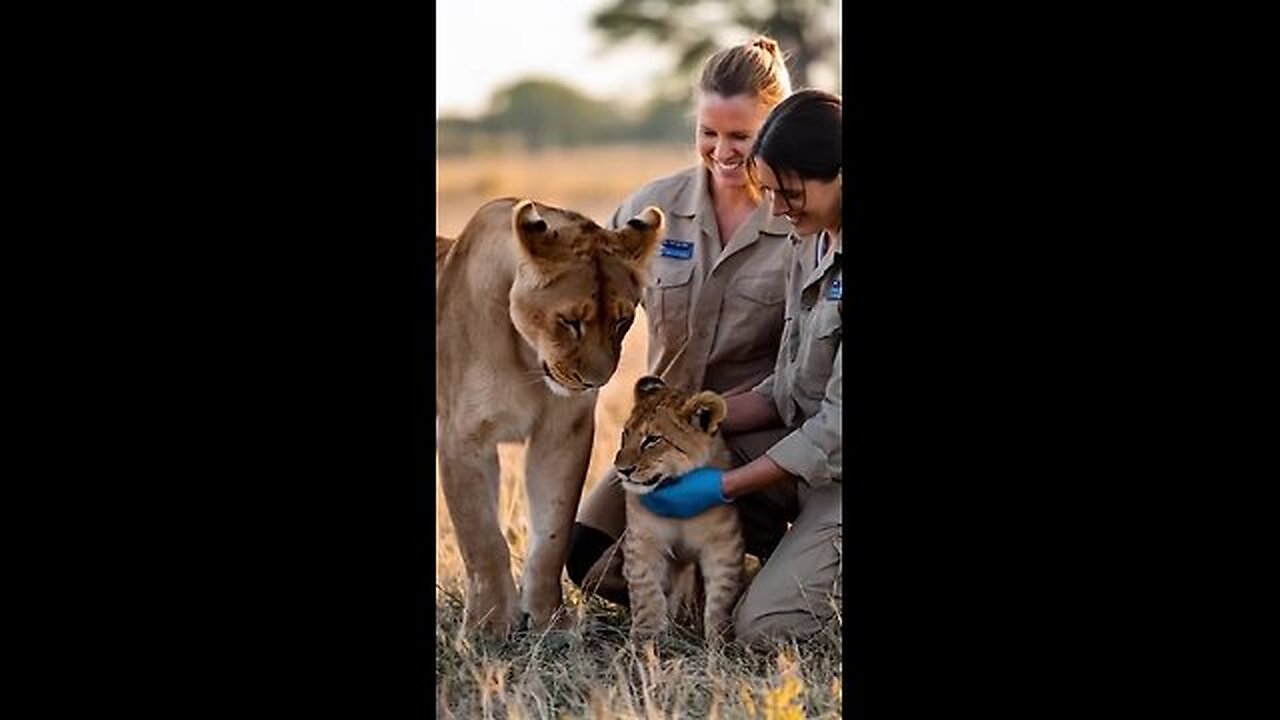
point(669, 433)
point(532, 303)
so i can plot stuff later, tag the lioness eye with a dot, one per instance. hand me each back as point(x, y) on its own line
point(649, 441)
point(573, 325)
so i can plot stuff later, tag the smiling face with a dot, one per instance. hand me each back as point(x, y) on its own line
point(811, 205)
point(726, 128)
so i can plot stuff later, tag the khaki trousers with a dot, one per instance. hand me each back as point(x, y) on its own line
point(799, 584)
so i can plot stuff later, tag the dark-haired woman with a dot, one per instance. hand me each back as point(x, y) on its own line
point(796, 159)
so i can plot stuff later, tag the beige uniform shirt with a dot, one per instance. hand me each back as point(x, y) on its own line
point(806, 385)
point(715, 317)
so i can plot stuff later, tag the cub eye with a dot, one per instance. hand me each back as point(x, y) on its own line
point(649, 441)
point(574, 326)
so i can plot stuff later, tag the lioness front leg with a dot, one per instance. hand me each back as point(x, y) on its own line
point(555, 470)
point(470, 483)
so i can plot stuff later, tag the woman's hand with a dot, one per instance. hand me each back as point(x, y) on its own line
point(689, 495)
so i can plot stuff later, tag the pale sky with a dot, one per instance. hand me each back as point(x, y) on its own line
point(484, 44)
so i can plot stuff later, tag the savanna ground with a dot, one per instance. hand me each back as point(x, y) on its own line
point(591, 670)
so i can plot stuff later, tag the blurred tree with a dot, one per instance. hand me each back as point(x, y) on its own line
point(664, 119)
point(547, 112)
point(697, 28)
point(537, 113)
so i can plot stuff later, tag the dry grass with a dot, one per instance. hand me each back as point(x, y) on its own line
point(591, 181)
point(592, 670)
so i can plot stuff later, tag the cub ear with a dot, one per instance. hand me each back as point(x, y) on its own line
point(705, 410)
point(648, 385)
point(638, 239)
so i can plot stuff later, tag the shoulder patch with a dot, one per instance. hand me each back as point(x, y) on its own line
point(833, 292)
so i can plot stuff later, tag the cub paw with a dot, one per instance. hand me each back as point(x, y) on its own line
point(641, 632)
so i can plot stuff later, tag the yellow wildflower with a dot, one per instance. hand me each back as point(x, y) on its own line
point(783, 702)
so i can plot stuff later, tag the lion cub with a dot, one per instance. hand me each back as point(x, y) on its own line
point(669, 433)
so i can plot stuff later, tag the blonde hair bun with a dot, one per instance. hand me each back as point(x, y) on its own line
point(755, 68)
point(767, 44)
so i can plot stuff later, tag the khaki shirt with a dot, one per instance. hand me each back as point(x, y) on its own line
point(715, 318)
point(806, 385)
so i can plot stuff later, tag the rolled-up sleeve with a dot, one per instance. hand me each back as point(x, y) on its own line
point(814, 451)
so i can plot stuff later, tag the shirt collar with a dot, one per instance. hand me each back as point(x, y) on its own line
point(694, 198)
point(775, 224)
point(688, 198)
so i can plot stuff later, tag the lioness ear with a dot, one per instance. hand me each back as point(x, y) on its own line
point(705, 410)
point(639, 237)
point(529, 223)
point(648, 385)
point(532, 236)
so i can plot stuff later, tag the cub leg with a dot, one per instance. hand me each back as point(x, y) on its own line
point(470, 484)
point(648, 573)
point(685, 601)
point(555, 470)
point(722, 563)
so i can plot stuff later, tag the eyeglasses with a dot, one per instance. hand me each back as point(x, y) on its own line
point(789, 197)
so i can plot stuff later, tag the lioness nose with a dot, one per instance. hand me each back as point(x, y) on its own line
point(599, 369)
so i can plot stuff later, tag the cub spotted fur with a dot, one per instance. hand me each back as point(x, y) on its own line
point(669, 433)
point(532, 303)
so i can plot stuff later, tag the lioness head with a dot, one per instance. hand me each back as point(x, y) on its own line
point(669, 433)
point(576, 291)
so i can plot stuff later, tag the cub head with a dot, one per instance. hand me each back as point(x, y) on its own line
point(576, 290)
point(669, 433)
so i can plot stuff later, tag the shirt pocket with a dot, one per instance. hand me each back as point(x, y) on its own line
point(752, 317)
point(818, 345)
point(671, 292)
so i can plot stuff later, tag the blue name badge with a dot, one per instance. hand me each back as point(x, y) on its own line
point(680, 249)
point(833, 292)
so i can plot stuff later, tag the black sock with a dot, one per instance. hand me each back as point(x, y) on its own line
point(586, 545)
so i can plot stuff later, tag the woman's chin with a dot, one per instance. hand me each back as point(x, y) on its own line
point(729, 178)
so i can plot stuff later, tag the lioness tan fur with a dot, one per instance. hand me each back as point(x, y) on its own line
point(669, 433)
point(532, 303)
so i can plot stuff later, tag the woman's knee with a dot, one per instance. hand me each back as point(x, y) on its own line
point(763, 626)
point(772, 610)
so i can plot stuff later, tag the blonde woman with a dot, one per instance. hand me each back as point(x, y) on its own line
point(716, 296)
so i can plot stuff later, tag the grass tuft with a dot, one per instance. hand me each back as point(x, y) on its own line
point(592, 670)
